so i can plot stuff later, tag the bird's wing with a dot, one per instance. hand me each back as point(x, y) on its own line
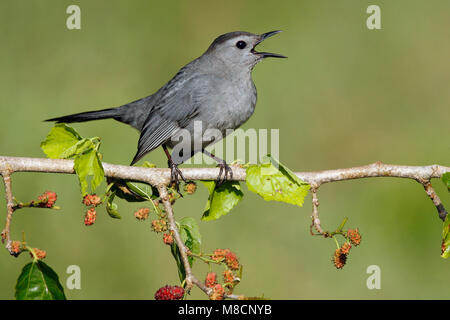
point(177, 106)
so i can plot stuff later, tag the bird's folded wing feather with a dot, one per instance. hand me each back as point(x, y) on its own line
point(179, 103)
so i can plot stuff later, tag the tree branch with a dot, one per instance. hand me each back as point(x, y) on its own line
point(158, 176)
point(161, 178)
point(164, 195)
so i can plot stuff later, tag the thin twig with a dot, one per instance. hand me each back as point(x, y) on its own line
point(164, 195)
point(315, 214)
point(6, 233)
point(435, 198)
point(190, 277)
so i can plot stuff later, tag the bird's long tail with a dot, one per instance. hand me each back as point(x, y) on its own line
point(88, 116)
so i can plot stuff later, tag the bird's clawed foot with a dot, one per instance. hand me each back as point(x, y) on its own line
point(226, 170)
point(175, 175)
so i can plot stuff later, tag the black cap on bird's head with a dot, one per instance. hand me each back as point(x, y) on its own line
point(238, 48)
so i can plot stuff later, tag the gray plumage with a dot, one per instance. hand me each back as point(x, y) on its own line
point(216, 89)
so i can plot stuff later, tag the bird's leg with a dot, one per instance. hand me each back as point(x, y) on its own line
point(175, 173)
point(224, 168)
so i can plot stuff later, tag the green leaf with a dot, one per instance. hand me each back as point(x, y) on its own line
point(122, 191)
point(221, 199)
point(445, 252)
point(64, 142)
point(60, 138)
point(141, 189)
point(191, 235)
point(86, 165)
point(446, 179)
point(135, 191)
point(38, 282)
point(274, 181)
point(80, 147)
point(111, 207)
point(177, 256)
point(185, 238)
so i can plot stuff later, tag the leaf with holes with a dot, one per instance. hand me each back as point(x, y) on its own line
point(60, 140)
point(87, 165)
point(274, 181)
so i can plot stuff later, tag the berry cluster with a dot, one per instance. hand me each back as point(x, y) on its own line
point(159, 225)
point(218, 292)
point(340, 255)
point(190, 187)
point(228, 278)
point(46, 200)
point(229, 260)
point(40, 254)
point(169, 293)
point(227, 256)
point(92, 201)
point(16, 248)
point(168, 238)
point(142, 213)
point(354, 236)
point(90, 216)
point(211, 279)
point(339, 258)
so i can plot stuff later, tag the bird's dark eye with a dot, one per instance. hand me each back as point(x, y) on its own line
point(241, 44)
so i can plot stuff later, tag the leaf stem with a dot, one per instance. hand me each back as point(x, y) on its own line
point(337, 243)
point(30, 249)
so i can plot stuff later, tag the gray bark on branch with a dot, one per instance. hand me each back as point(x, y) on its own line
point(158, 176)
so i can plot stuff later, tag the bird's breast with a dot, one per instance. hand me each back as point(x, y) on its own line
point(237, 106)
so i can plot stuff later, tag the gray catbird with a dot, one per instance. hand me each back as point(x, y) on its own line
point(215, 89)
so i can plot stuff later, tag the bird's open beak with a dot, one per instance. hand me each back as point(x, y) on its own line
point(263, 37)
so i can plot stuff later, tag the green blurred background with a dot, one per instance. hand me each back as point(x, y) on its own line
point(346, 96)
